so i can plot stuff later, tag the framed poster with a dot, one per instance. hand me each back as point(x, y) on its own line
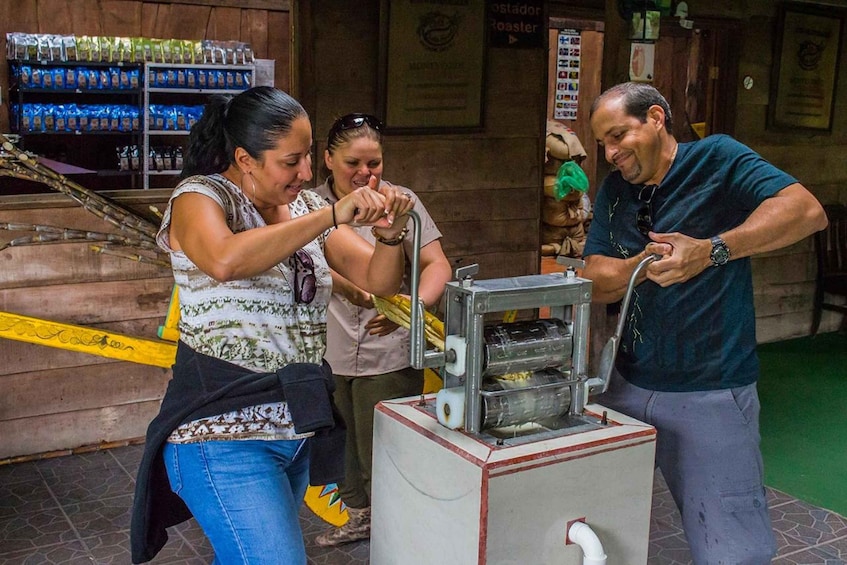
point(432, 64)
point(802, 94)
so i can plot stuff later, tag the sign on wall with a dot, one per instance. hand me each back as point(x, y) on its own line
point(567, 75)
point(517, 24)
point(432, 63)
point(806, 67)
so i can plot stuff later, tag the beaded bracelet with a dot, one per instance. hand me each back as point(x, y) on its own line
point(396, 241)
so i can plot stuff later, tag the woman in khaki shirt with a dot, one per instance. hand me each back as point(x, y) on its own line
point(368, 353)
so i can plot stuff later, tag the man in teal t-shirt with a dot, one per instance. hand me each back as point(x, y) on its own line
point(687, 360)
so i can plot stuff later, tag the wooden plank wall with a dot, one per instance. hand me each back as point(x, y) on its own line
point(482, 189)
point(784, 280)
point(265, 24)
point(52, 399)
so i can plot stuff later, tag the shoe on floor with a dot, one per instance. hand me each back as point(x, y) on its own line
point(358, 527)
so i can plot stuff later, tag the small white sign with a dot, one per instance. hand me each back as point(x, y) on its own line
point(641, 58)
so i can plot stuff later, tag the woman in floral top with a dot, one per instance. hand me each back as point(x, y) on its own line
point(251, 252)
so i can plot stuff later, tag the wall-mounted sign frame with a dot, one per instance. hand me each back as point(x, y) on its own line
point(432, 65)
point(802, 94)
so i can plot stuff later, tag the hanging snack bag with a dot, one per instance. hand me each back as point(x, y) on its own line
point(83, 48)
point(47, 78)
point(114, 78)
point(105, 118)
point(60, 118)
point(137, 49)
point(104, 79)
point(134, 78)
point(69, 47)
point(158, 51)
point(26, 118)
point(107, 48)
point(72, 117)
point(48, 117)
point(54, 46)
point(82, 78)
point(93, 79)
point(70, 78)
point(25, 76)
point(58, 78)
point(176, 51)
point(126, 52)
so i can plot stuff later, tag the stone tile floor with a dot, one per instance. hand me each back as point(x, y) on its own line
point(75, 510)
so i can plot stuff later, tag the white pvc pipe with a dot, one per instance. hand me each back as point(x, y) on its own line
point(592, 550)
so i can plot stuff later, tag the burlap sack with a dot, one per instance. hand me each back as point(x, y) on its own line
point(573, 243)
point(562, 213)
point(553, 234)
point(551, 166)
point(562, 143)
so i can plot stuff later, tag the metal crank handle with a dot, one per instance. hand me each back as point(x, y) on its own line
point(600, 383)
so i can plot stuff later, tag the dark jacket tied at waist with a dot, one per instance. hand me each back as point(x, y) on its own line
point(204, 386)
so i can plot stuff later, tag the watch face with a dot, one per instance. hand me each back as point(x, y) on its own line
point(720, 253)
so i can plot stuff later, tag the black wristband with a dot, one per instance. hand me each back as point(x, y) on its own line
point(334, 223)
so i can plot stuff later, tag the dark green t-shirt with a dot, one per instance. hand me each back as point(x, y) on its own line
point(701, 334)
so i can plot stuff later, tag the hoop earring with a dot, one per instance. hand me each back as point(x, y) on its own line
point(253, 183)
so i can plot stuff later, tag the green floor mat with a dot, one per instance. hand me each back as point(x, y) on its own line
point(803, 391)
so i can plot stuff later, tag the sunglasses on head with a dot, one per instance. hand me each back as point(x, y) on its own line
point(353, 121)
point(644, 216)
point(305, 283)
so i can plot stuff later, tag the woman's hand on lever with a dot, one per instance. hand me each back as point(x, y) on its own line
point(375, 207)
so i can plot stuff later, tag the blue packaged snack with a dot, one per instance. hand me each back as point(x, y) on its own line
point(60, 118)
point(70, 78)
point(72, 117)
point(25, 75)
point(48, 116)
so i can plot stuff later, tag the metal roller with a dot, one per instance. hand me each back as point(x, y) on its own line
point(540, 396)
point(526, 346)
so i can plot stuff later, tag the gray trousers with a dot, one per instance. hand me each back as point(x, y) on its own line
point(707, 447)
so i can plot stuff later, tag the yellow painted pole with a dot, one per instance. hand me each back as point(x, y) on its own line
point(170, 330)
point(87, 340)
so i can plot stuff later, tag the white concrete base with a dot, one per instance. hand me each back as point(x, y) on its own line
point(441, 496)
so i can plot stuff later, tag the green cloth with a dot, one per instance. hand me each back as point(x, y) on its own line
point(570, 177)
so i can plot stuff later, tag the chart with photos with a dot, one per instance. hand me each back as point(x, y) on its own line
point(567, 75)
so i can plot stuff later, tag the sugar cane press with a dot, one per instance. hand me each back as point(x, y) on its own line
point(510, 462)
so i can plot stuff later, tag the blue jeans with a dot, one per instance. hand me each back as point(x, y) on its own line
point(246, 495)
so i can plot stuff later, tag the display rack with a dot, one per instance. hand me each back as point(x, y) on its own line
point(174, 86)
point(68, 107)
point(179, 91)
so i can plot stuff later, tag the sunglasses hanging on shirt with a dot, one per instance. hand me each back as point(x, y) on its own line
point(644, 216)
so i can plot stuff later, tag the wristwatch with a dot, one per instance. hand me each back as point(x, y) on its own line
point(720, 252)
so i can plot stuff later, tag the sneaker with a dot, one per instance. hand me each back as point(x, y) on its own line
point(358, 527)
